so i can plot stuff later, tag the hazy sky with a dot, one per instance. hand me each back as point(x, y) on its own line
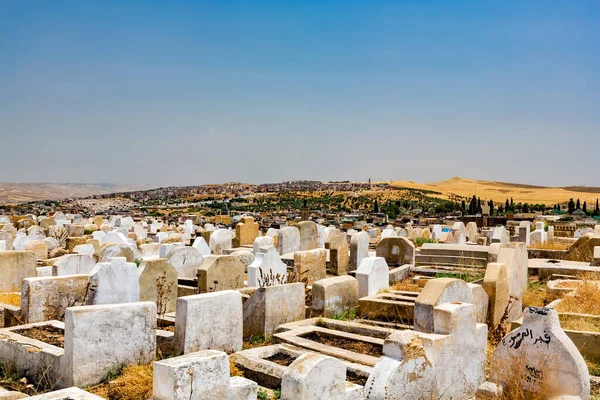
point(183, 93)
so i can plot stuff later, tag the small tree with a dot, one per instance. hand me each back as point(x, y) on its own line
point(491, 204)
point(578, 206)
point(571, 206)
point(584, 209)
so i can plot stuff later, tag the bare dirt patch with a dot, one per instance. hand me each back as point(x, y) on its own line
point(346, 344)
point(282, 359)
point(45, 333)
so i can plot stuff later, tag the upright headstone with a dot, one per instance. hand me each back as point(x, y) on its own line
point(186, 260)
point(245, 232)
point(309, 235)
point(359, 249)
point(114, 282)
point(158, 283)
point(396, 251)
point(219, 241)
point(288, 240)
point(220, 273)
point(373, 276)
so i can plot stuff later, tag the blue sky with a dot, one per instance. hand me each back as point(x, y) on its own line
point(181, 93)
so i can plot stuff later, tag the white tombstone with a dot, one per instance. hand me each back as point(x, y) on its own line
point(359, 249)
point(201, 245)
point(84, 249)
point(3, 246)
point(288, 240)
point(113, 237)
point(101, 338)
point(448, 364)
point(21, 241)
point(160, 236)
point(270, 264)
point(219, 241)
point(114, 282)
point(200, 376)
point(436, 232)
point(542, 358)
point(209, 321)
point(262, 241)
point(98, 235)
point(373, 276)
point(500, 235)
point(472, 232)
point(186, 261)
point(316, 376)
point(388, 232)
point(73, 264)
point(165, 249)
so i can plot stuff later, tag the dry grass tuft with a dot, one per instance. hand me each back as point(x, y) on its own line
point(407, 285)
point(551, 246)
point(135, 383)
point(585, 299)
point(535, 294)
point(579, 323)
point(234, 370)
point(12, 299)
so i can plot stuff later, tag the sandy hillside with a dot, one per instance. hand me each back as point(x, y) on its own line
point(500, 191)
point(13, 193)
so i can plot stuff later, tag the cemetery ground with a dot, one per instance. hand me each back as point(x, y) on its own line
point(118, 307)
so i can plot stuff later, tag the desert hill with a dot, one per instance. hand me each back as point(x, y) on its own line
point(14, 192)
point(500, 191)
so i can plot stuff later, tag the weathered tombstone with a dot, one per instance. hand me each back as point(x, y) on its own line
point(583, 231)
point(516, 260)
point(438, 291)
point(496, 285)
point(220, 273)
point(267, 268)
point(166, 248)
point(209, 321)
point(388, 232)
point(186, 260)
point(449, 364)
point(262, 241)
point(87, 249)
point(310, 266)
point(334, 296)
point(114, 282)
point(373, 276)
point(39, 248)
point(100, 338)
point(309, 235)
point(158, 283)
point(288, 240)
point(337, 244)
point(245, 232)
point(21, 241)
point(539, 235)
point(436, 232)
point(72, 264)
point(47, 298)
point(396, 251)
point(540, 359)
point(500, 235)
point(316, 376)
point(471, 231)
point(359, 249)
point(524, 231)
point(15, 265)
point(112, 250)
point(203, 375)
point(112, 237)
point(219, 241)
point(271, 306)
